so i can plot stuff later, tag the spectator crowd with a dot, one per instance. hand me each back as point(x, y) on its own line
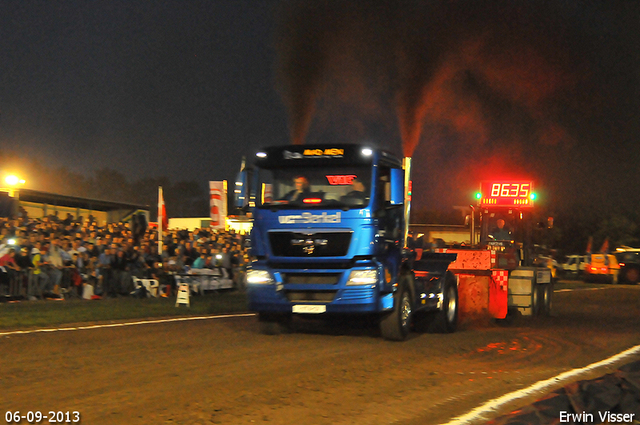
point(54, 258)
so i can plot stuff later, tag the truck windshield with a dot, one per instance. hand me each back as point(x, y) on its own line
point(314, 187)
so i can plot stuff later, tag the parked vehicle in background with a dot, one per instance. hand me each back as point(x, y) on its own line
point(629, 261)
point(574, 265)
point(601, 267)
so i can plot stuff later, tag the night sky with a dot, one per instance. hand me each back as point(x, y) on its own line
point(472, 89)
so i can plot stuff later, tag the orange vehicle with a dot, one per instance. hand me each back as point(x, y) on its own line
point(601, 267)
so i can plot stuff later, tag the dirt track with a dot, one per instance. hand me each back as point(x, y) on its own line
point(224, 371)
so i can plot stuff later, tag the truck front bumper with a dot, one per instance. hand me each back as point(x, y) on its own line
point(275, 298)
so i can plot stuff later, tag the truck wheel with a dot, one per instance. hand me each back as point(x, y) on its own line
point(446, 320)
point(274, 324)
point(547, 299)
point(395, 326)
point(536, 296)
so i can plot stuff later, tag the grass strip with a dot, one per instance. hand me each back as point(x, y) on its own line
point(38, 314)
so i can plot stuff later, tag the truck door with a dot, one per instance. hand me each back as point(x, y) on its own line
point(389, 220)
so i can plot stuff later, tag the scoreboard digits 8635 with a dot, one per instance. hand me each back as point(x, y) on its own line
point(507, 194)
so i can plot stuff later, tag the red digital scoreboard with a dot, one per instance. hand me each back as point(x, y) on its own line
point(507, 193)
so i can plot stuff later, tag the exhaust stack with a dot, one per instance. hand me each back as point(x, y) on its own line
point(406, 165)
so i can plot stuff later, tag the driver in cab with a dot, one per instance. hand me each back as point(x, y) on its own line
point(302, 189)
point(500, 232)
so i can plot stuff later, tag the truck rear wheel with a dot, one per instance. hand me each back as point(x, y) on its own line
point(446, 320)
point(395, 326)
point(547, 299)
point(537, 294)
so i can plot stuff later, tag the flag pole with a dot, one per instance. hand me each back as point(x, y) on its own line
point(160, 218)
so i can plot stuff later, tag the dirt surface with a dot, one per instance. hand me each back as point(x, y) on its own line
point(223, 371)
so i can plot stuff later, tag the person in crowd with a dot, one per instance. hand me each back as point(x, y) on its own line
point(225, 261)
point(55, 263)
point(23, 260)
point(121, 277)
point(135, 261)
point(105, 274)
point(39, 279)
point(92, 250)
point(200, 262)
point(8, 270)
point(189, 253)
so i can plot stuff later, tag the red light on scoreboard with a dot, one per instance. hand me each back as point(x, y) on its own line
point(341, 179)
point(517, 194)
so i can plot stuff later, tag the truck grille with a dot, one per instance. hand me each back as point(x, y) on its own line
point(309, 296)
point(311, 278)
point(311, 244)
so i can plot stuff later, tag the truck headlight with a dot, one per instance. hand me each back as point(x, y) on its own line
point(259, 277)
point(363, 277)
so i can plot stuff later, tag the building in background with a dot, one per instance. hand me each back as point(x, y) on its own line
point(38, 204)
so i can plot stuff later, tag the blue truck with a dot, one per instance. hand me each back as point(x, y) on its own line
point(330, 237)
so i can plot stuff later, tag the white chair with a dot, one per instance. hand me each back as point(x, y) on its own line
point(151, 285)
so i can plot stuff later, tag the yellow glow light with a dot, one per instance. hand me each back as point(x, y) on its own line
point(13, 180)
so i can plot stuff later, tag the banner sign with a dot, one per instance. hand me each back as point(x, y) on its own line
point(218, 204)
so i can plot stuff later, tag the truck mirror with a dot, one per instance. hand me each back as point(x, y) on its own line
point(241, 190)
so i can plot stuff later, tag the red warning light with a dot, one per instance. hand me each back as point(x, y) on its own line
point(345, 179)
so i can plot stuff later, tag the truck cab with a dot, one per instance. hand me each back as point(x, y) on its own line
point(328, 237)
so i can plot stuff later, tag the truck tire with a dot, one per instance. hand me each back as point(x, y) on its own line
point(446, 320)
point(396, 325)
point(274, 324)
point(536, 297)
point(547, 299)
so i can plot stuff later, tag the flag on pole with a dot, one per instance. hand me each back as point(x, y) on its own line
point(218, 204)
point(162, 218)
point(162, 211)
